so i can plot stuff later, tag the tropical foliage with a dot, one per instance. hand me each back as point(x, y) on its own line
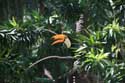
point(61, 38)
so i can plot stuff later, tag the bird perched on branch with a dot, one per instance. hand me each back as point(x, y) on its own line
point(61, 38)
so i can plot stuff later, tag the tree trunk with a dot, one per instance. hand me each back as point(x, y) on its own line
point(10, 8)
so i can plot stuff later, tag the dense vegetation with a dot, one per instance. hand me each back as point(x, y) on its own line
point(51, 41)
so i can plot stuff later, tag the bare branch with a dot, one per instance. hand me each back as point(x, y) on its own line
point(50, 57)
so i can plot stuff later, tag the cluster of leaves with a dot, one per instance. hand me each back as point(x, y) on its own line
point(17, 44)
point(100, 53)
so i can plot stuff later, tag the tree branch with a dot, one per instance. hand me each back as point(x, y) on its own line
point(50, 57)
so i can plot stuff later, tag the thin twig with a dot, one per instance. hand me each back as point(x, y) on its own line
point(48, 30)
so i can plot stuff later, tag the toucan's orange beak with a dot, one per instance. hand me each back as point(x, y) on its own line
point(58, 38)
